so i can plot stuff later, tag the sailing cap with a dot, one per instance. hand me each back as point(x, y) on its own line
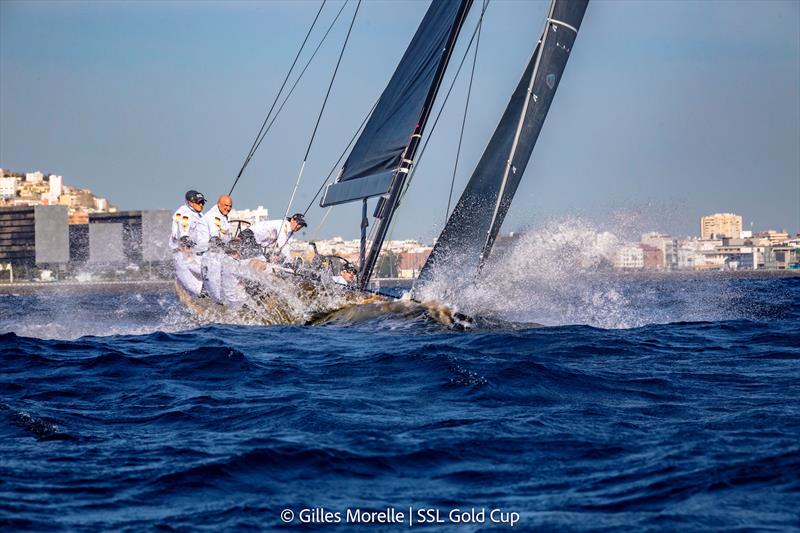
point(299, 218)
point(196, 197)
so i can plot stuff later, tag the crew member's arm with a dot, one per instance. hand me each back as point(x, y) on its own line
point(181, 232)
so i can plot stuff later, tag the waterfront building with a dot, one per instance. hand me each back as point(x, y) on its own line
point(629, 256)
point(129, 237)
point(737, 255)
point(40, 236)
point(652, 257)
point(78, 243)
point(17, 236)
point(666, 245)
point(772, 236)
point(8, 187)
point(253, 216)
point(782, 257)
point(34, 235)
point(115, 237)
point(720, 225)
point(34, 177)
point(412, 261)
point(690, 254)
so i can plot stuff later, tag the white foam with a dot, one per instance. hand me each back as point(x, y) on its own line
point(561, 274)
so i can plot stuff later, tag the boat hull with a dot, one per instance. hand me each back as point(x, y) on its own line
point(294, 300)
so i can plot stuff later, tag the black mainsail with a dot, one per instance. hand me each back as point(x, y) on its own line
point(471, 230)
point(380, 160)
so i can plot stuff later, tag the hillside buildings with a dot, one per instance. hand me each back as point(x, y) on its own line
point(36, 188)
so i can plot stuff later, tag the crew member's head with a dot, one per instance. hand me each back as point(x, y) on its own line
point(225, 204)
point(297, 221)
point(348, 273)
point(195, 200)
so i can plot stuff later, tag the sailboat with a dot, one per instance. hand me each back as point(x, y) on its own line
point(381, 160)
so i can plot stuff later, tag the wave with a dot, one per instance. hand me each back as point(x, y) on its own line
point(42, 428)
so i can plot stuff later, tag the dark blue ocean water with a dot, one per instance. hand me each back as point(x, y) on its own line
point(119, 413)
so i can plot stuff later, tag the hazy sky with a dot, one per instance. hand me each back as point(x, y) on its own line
point(667, 110)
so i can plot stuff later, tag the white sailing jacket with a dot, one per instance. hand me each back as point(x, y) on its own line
point(186, 222)
point(275, 234)
point(217, 224)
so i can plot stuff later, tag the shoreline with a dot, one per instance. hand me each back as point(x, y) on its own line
point(65, 287)
point(154, 286)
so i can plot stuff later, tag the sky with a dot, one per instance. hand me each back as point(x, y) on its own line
point(668, 110)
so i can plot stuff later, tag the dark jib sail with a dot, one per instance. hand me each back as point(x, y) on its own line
point(471, 230)
point(376, 156)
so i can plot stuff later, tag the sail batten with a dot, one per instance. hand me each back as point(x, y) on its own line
point(469, 234)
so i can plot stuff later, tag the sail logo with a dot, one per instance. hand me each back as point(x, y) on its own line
point(550, 80)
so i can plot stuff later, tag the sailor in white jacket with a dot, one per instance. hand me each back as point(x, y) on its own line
point(188, 229)
point(276, 234)
point(218, 233)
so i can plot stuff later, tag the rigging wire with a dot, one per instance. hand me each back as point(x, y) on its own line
point(322, 109)
point(302, 72)
point(256, 141)
point(336, 165)
point(333, 169)
point(297, 81)
point(464, 119)
point(321, 223)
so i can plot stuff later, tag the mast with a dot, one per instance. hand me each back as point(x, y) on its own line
point(386, 207)
point(380, 160)
point(469, 234)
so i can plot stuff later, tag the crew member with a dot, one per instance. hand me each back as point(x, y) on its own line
point(217, 233)
point(188, 228)
point(276, 234)
point(347, 276)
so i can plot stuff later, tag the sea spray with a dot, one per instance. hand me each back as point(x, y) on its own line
point(562, 273)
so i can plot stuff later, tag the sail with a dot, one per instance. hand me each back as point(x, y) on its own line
point(471, 230)
point(369, 169)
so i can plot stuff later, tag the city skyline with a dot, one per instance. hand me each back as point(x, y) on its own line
point(141, 102)
point(628, 228)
